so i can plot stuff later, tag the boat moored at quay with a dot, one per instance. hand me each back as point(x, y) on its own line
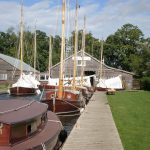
point(26, 124)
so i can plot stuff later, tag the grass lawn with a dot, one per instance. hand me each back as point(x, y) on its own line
point(131, 112)
point(3, 87)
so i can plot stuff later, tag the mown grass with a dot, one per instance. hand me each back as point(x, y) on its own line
point(3, 87)
point(131, 112)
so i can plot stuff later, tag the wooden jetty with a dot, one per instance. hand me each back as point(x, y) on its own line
point(95, 129)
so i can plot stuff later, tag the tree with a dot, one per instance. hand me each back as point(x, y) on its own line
point(42, 50)
point(92, 45)
point(56, 48)
point(122, 49)
point(8, 42)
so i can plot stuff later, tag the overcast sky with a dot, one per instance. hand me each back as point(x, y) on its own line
point(104, 17)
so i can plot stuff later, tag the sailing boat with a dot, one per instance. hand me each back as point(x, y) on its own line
point(28, 125)
point(63, 100)
point(26, 84)
point(114, 83)
point(52, 82)
point(82, 81)
point(100, 80)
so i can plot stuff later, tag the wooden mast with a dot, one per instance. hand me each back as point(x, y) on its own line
point(75, 47)
point(35, 50)
point(101, 65)
point(21, 40)
point(83, 50)
point(50, 56)
point(60, 88)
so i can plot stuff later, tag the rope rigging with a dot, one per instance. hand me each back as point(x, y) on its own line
point(18, 108)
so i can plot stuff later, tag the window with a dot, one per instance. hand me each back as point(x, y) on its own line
point(44, 118)
point(79, 63)
point(29, 129)
point(42, 77)
point(3, 76)
point(47, 77)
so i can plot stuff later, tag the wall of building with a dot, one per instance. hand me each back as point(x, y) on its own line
point(8, 73)
point(93, 66)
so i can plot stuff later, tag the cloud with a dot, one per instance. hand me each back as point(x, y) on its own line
point(118, 12)
point(103, 17)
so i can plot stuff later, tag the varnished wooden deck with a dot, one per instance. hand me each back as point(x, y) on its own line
point(95, 129)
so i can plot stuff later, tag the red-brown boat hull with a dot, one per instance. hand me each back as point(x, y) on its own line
point(47, 87)
point(18, 91)
point(70, 103)
point(50, 137)
point(87, 92)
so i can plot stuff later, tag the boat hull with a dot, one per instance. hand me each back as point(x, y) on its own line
point(101, 89)
point(87, 92)
point(47, 87)
point(70, 104)
point(19, 91)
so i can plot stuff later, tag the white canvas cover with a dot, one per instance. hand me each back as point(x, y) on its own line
point(68, 81)
point(28, 81)
point(55, 81)
point(115, 83)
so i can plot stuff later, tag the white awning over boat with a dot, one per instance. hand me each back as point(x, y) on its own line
point(68, 81)
point(114, 82)
point(27, 81)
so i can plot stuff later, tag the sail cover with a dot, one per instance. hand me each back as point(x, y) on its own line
point(27, 81)
point(68, 81)
point(115, 83)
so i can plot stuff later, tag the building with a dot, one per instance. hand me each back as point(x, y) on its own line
point(10, 69)
point(92, 66)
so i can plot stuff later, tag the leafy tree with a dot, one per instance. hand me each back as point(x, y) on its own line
point(8, 42)
point(56, 48)
point(125, 49)
point(92, 45)
point(122, 49)
point(42, 50)
point(145, 65)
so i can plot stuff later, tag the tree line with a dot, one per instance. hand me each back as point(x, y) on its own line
point(126, 49)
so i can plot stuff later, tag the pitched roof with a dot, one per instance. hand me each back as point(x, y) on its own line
point(95, 60)
point(16, 63)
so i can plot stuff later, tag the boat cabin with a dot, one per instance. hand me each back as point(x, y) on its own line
point(23, 122)
point(17, 123)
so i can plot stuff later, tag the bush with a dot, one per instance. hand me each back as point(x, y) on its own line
point(145, 83)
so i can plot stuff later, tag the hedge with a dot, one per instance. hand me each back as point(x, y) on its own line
point(145, 83)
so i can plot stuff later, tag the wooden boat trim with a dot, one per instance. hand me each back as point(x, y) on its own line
point(18, 110)
point(68, 112)
point(52, 128)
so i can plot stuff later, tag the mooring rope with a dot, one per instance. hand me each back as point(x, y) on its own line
point(71, 104)
point(7, 111)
